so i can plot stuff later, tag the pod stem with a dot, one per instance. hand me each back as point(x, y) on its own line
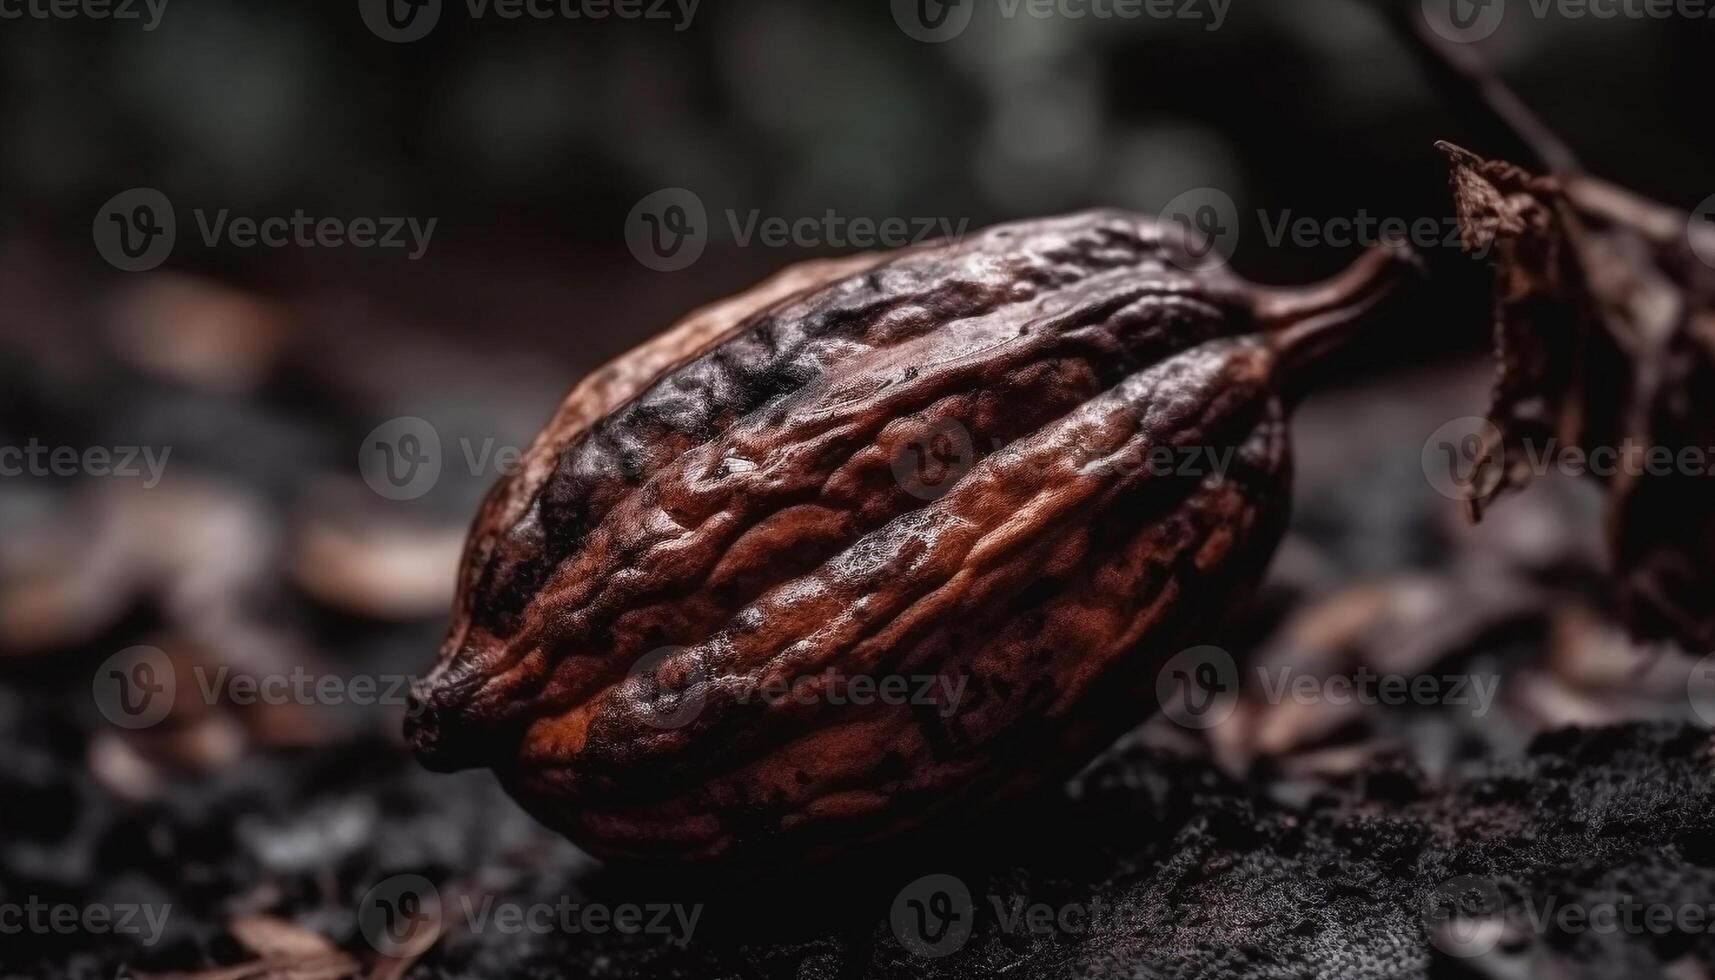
point(1304, 325)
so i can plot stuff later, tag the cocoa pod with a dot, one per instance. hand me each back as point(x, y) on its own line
point(717, 531)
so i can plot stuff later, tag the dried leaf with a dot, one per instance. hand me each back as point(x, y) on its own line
point(268, 936)
point(326, 966)
point(1407, 627)
point(354, 556)
point(1605, 329)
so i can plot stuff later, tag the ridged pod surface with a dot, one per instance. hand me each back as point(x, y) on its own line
point(878, 540)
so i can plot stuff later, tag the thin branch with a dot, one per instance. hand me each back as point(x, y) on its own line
point(1477, 95)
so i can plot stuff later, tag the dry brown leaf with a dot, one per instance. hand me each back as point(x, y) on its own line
point(1605, 329)
point(268, 936)
point(391, 968)
point(328, 966)
point(1408, 626)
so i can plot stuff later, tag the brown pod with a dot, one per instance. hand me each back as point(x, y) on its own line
point(877, 541)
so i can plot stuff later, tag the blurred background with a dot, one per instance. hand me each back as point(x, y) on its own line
point(239, 512)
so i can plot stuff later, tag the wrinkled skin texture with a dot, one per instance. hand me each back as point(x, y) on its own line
point(932, 463)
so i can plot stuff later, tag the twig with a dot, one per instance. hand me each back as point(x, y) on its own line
point(1477, 95)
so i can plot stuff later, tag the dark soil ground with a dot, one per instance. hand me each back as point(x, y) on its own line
point(1150, 865)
